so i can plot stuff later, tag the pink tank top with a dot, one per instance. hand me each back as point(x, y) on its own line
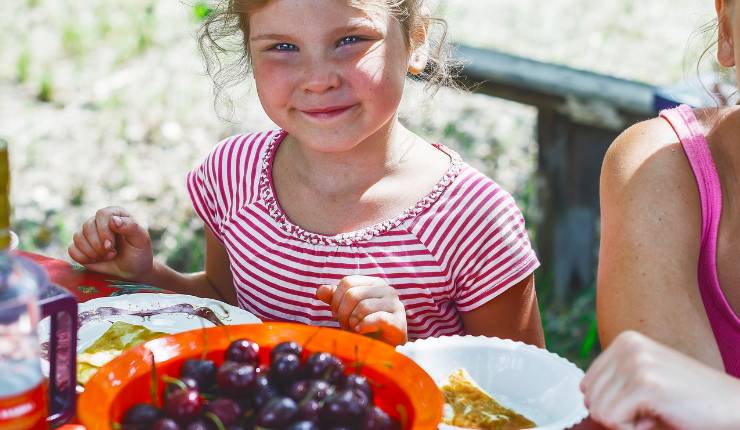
point(725, 323)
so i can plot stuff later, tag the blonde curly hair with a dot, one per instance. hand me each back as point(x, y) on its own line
point(223, 40)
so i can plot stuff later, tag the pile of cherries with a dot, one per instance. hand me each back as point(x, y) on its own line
point(289, 394)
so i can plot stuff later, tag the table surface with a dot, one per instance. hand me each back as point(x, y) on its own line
point(87, 285)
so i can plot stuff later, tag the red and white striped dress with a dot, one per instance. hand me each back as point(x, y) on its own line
point(459, 247)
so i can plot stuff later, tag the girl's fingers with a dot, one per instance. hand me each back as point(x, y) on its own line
point(84, 247)
point(132, 231)
point(336, 300)
point(90, 232)
point(367, 307)
point(391, 329)
point(107, 237)
point(352, 297)
point(325, 293)
point(77, 255)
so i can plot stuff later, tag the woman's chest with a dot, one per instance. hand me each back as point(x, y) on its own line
point(728, 265)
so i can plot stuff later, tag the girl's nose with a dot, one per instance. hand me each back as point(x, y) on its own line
point(320, 76)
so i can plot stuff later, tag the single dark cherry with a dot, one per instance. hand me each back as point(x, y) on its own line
point(227, 410)
point(236, 379)
point(199, 424)
point(359, 383)
point(183, 405)
point(322, 365)
point(309, 410)
point(303, 425)
point(189, 382)
point(264, 391)
point(285, 348)
point(278, 413)
point(316, 389)
point(376, 419)
point(344, 408)
point(286, 369)
point(165, 424)
point(243, 351)
point(203, 371)
point(140, 416)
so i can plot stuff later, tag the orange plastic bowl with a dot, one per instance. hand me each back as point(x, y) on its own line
point(402, 388)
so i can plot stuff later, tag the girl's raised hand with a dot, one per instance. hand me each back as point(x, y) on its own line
point(639, 384)
point(365, 304)
point(112, 242)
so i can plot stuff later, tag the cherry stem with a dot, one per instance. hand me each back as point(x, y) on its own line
point(153, 383)
point(216, 420)
point(170, 380)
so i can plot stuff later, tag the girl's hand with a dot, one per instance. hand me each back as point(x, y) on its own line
point(638, 383)
point(112, 242)
point(365, 304)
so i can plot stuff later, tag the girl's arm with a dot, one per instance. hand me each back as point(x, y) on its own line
point(650, 234)
point(512, 315)
point(113, 242)
point(215, 282)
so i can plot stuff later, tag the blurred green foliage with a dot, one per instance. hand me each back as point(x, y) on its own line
point(201, 10)
point(46, 88)
point(22, 66)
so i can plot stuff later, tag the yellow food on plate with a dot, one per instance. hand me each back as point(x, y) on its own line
point(118, 338)
point(468, 406)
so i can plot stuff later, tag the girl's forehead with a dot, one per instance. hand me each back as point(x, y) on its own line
point(342, 12)
point(368, 6)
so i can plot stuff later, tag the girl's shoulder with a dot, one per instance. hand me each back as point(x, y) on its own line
point(249, 146)
point(473, 185)
point(238, 155)
point(232, 169)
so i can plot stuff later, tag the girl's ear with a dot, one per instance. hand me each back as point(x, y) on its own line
point(725, 42)
point(419, 44)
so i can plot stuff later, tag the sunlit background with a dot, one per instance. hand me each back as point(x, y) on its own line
point(106, 102)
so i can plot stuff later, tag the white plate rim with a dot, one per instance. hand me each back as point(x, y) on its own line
point(138, 298)
point(572, 419)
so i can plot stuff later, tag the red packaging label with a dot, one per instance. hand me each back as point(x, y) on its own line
point(25, 411)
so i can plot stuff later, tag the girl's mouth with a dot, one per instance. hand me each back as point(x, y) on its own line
point(326, 113)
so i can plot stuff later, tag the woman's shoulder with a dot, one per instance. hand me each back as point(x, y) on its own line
point(645, 155)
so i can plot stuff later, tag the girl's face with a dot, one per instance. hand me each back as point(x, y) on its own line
point(329, 74)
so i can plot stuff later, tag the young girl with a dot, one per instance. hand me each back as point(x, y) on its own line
point(342, 216)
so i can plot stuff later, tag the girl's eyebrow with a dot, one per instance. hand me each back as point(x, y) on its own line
point(270, 36)
point(365, 26)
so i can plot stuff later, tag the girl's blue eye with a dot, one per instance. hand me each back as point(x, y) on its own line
point(285, 47)
point(349, 40)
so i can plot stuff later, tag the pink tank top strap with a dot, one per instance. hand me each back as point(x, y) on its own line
point(725, 323)
point(687, 128)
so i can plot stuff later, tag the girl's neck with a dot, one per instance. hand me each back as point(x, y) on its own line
point(348, 172)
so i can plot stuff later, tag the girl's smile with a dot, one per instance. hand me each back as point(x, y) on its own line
point(329, 113)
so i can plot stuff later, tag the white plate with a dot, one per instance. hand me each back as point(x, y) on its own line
point(171, 323)
point(536, 383)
